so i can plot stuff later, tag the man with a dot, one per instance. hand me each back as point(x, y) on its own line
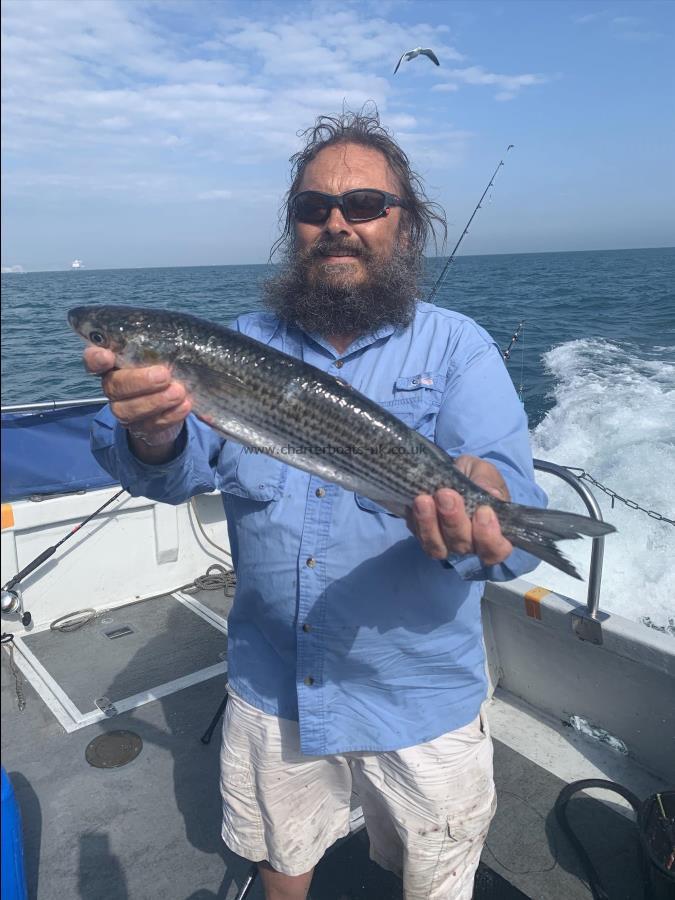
point(355, 647)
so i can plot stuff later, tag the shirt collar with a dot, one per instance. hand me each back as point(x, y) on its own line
point(365, 340)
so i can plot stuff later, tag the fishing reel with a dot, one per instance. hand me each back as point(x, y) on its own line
point(12, 602)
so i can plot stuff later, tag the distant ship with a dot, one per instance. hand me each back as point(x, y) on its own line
point(77, 264)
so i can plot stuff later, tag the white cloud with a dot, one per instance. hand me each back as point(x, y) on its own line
point(509, 85)
point(104, 96)
point(589, 17)
point(214, 195)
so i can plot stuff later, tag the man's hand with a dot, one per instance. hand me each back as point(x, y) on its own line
point(145, 400)
point(441, 524)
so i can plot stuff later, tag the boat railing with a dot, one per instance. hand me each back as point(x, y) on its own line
point(51, 405)
point(586, 623)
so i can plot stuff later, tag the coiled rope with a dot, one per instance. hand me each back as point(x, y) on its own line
point(215, 578)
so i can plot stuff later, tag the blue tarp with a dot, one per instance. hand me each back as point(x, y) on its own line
point(47, 452)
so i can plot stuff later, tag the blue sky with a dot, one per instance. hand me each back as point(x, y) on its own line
point(158, 133)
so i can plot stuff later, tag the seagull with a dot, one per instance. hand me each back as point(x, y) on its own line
point(411, 54)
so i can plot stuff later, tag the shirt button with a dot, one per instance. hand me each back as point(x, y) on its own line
point(309, 681)
point(306, 628)
point(320, 492)
point(339, 363)
point(311, 562)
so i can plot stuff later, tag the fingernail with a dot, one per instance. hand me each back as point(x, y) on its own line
point(99, 357)
point(157, 374)
point(173, 392)
point(484, 515)
point(446, 503)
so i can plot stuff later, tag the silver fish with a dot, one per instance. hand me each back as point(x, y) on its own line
point(290, 410)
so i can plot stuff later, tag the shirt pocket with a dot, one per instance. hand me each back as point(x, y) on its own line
point(370, 506)
point(249, 474)
point(417, 399)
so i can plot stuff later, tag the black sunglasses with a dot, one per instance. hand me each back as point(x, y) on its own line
point(361, 205)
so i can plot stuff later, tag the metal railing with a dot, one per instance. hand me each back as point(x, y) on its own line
point(586, 623)
point(51, 405)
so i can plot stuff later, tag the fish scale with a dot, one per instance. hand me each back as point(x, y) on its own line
point(270, 401)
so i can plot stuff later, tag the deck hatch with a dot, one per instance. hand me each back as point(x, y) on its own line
point(113, 749)
point(169, 643)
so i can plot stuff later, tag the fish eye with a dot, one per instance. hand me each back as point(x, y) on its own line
point(96, 337)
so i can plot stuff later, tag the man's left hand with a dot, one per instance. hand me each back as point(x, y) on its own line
point(442, 526)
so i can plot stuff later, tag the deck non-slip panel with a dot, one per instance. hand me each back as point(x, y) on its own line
point(151, 830)
point(167, 641)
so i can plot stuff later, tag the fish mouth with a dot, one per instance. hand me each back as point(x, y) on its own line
point(77, 318)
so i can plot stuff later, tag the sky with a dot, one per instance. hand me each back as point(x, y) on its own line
point(158, 133)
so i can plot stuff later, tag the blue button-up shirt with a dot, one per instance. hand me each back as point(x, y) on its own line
point(340, 620)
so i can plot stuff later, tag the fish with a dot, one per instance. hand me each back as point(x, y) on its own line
point(288, 409)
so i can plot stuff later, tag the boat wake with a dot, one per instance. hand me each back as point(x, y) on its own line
point(613, 416)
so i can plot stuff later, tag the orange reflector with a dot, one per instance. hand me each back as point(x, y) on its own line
point(7, 516)
point(533, 600)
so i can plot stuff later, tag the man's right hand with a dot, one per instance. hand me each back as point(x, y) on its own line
point(146, 401)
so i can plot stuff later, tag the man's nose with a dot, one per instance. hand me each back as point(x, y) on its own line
point(336, 222)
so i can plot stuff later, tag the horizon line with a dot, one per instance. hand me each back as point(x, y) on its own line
point(11, 270)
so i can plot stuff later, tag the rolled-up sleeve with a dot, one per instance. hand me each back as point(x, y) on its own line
point(482, 416)
point(191, 472)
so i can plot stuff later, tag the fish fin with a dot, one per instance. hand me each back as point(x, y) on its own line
point(547, 551)
point(536, 531)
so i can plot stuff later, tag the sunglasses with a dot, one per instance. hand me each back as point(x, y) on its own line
point(314, 207)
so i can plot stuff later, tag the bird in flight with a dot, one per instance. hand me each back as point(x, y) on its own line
point(411, 54)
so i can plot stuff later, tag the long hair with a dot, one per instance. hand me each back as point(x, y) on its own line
point(419, 217)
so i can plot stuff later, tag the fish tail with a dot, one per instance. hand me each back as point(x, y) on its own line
point(536, 531)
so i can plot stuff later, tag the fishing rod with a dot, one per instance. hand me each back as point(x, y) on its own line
point(451, 258)
point(13, 602)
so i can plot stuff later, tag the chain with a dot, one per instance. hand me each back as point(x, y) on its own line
point(631, 504)
point(18, 681)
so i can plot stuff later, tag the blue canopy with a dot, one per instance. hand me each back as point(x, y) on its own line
point(47, 452)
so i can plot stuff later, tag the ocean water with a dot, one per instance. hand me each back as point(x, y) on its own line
point(594, 364)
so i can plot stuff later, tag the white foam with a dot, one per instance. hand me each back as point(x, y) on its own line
point(614, 416)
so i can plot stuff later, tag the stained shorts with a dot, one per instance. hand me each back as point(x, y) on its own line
point(427, 808)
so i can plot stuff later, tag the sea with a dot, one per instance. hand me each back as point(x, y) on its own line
point(593, 362)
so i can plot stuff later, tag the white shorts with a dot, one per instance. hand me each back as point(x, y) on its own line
point(427, 808)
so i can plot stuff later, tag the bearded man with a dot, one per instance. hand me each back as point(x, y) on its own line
point(355, 655)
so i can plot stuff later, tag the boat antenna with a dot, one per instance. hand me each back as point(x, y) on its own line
point(451, 258)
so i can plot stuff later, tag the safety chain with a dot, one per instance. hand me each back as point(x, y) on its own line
point(18, 680)
point(631, 504)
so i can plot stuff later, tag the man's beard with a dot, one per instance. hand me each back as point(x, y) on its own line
point(331, 303)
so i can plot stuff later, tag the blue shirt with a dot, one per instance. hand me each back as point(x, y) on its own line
point(340, 620)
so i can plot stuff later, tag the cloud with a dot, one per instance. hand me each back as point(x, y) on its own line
point(509, 85)
point(214, 195)
point(589, 17)
point(629, 28)
point(139, 97)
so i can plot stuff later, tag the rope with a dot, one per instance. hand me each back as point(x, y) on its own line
point(75, 620)
point(594, 883)
point(215, 578)
point(193, 507)
point(223, 578)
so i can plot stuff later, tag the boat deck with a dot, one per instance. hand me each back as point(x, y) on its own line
point(151, 829)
